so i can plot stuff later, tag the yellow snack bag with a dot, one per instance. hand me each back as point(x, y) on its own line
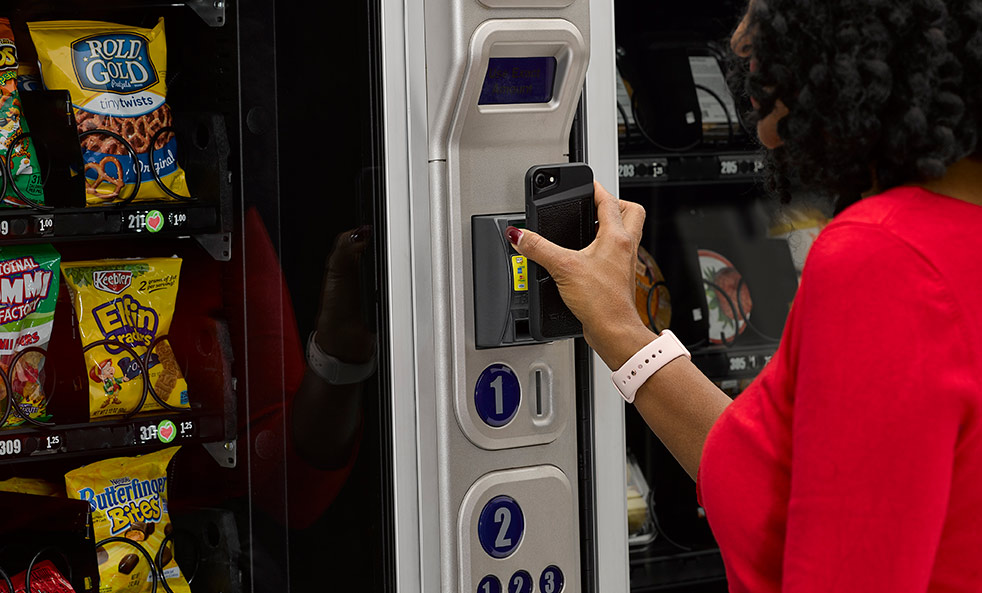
point(131, 302)
point(116, 77)
point(35, 486)
point(128, 498)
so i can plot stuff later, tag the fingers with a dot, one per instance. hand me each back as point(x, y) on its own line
point(608, 208)
point(633, 218)
point(533, 246)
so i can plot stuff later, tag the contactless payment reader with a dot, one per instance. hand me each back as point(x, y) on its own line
point(504, 79)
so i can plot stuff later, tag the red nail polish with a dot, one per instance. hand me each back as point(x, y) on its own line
point(513, 235)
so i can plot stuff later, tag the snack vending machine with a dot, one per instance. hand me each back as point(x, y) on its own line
point(244, 344)
point(719, 259)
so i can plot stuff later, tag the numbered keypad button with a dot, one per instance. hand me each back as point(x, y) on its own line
point(551, 580)
point(497, 395)
point(520, 582)
point(489, 584)
point(501, 526)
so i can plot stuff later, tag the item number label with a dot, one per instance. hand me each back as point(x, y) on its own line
point(728, 168)
point(12, 447)
point(626, 169)
point(136, 221)
point(148, 433)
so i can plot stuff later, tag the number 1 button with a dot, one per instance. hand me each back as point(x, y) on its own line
point(501, 526)
point(497, 395)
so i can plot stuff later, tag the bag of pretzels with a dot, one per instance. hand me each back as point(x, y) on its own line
point(128, 499)
point(116, 77)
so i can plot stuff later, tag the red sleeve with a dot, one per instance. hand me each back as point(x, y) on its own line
point(273, 381)
point(883, 380)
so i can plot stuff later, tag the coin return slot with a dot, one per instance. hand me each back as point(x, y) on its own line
point(522, 331)
point(540, 381)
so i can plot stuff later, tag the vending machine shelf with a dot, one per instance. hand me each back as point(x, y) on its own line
point(737, 362)
point(148, 219)
point(133, 436)
point(660, 568)
point(665, 169)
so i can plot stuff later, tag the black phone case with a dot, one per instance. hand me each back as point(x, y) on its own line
point(565, 214)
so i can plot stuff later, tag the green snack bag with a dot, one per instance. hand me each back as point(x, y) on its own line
point(23, 162)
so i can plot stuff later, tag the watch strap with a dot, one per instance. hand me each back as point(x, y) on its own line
point(650, 359)
point(333, 370)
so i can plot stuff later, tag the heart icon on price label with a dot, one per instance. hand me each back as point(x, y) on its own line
point(155, 221)
point(166, 431)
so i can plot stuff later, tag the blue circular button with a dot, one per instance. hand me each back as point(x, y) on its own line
point(520, 582)
point(497, 395)
point(489, 584)
point(501, 526)
point(551, 580)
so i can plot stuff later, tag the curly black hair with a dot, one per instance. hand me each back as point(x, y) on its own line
point(880, 93)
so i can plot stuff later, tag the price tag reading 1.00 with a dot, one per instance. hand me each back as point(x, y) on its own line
point(46, 225)
point(177, 218)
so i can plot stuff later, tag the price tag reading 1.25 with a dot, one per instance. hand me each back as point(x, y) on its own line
point(187, 428)
point(52, 442)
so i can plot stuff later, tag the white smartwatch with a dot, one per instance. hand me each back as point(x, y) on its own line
point(659, 352)
point(333, 370)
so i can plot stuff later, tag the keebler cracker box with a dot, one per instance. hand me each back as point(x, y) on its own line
point(128, 498)
point(116, 76)
point(131, 302)
point(24, 163)
point(28, 292)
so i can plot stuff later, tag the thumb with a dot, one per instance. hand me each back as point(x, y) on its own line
point(536, 248)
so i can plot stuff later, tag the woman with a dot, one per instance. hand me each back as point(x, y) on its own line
point(852, 462)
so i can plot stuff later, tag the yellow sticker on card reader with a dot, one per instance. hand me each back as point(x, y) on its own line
point(520, 273)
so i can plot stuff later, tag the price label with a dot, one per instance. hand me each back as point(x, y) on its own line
point(657, 170)
point(758, 166)
point(177, 218)
point(186, 428)
point(52, 442)
point(46, 225)
point(10, 447)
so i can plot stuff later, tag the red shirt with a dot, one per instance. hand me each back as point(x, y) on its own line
point(854, 462)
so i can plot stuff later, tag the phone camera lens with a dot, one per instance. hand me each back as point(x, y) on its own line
point(541, 180)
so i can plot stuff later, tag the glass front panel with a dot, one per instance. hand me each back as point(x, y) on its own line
point(195, 354)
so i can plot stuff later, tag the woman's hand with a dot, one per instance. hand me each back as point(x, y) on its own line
point(598, 283)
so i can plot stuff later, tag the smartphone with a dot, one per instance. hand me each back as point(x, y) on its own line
point(559, 205)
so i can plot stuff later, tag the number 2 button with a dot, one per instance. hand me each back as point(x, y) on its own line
point(497, 395)
point(501, 526)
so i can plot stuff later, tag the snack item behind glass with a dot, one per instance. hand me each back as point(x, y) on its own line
point(44, 577)
point(28, 292)
point(131, 302)
point(34, 486)
point(23, 160)
point(116, 76)
point(128, 498)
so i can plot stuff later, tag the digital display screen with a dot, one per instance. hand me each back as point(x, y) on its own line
point(518, 80)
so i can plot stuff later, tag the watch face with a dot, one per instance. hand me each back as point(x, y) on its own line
point(727, 296)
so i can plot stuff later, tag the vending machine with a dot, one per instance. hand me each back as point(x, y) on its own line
point(261, 329)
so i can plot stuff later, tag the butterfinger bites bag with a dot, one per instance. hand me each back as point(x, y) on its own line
point(28, 293)
point(116, 76)
point(128, 498)
point(24, 163)
point(127, 301)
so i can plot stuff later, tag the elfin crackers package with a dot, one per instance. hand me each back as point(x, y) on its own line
point(116, 77)
point(128, 498)
point(131, 302)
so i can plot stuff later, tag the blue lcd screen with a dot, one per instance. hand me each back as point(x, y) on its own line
point(518, 80)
